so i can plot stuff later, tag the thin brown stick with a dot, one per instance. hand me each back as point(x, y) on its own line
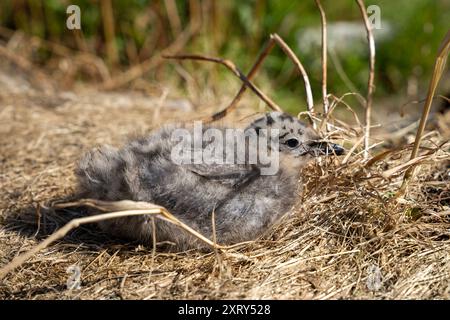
point(153, 243)
point(80, 40)
point(213, 223)
point(340, 100)
point(109, 32)
point(174, 17)
point(232, 67)
point(125, 208)
point(288, 51)
point(439, 67)
point(264, 53)
point(274, 39)
point(370, 85)
point(413, 163)
point(323, 20)
point(353, 148)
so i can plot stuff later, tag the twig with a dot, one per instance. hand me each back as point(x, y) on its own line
point(323, 20)
point(413, 163)
point(370, 86)
point(120, 209)
point(153, 244)
point(213, 223)
point(340, 100)
point(251, 74)
point(439, 67)
point(232, 67)
point(409, 163)
point(274, 39)
point(108, 28)
point(174, 17)
point(360, 140)
point(288, 51)
point(80, 40)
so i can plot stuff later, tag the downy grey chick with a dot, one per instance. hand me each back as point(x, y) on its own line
point(245, 201)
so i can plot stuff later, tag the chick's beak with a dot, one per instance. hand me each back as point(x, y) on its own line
point(326, 148)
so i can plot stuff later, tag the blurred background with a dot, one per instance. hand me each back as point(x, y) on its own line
point(120, 42)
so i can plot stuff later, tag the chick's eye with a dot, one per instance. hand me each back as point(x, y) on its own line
point(292, 143)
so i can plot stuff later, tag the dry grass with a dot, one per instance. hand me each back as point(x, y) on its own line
point(351, 234)
point(347, 231)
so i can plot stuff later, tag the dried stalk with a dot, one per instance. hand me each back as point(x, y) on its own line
point(370, 85)
point(353, 148)
point(116, 209)
point(323, 20)
point(288, 51)
point(251, 74)
point(173, 15)
point(109, 32)
point(232, 67)
point(439, 67)
point(274, 39)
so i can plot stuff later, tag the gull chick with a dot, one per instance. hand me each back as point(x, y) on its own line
point(245, 201)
